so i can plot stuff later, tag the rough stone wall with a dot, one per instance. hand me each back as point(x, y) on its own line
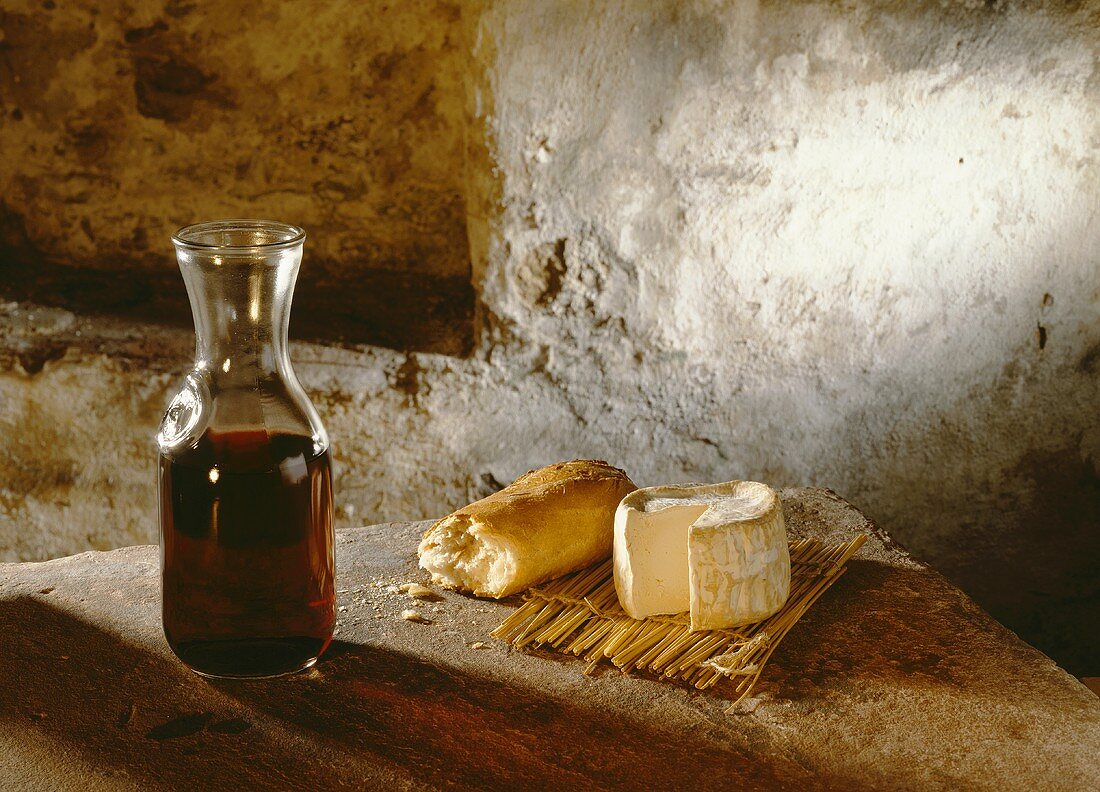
point(121, 122)
point(847, 246)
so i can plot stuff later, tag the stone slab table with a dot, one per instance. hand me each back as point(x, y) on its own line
point(894, 680)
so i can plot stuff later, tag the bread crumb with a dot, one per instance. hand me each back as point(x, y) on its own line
point(413, 616)
point(416, 591)
point(479, 645)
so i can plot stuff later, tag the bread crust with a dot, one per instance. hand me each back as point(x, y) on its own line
point(548, 522)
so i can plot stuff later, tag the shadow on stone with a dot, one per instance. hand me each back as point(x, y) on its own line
point(879, 618)
point(123, 709)
point(916, 634)
point(365, 714)
point(446, 727)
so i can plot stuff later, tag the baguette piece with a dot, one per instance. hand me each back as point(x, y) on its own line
point(545, 524)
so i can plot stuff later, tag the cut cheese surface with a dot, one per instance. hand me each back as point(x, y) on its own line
point(718, 551)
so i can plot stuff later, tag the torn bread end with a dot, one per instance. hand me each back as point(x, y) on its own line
point(459, 555)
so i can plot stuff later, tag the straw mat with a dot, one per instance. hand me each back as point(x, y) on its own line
point(579, 614)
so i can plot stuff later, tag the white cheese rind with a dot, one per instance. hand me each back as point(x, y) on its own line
point(739, 569)
point(716, 550)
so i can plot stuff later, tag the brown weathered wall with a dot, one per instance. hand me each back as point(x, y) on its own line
point(122, 121)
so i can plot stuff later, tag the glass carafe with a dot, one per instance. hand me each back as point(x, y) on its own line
point(245, 485)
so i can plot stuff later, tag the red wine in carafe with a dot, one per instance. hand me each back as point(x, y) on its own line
point(247, 544)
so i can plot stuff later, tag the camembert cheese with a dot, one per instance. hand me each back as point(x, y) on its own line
point(716, 550)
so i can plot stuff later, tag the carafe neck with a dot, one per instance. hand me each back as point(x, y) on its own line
point(241, 290)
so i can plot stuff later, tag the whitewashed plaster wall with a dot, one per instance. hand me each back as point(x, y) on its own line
point(853, 244)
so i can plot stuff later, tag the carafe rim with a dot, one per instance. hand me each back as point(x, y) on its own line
point(238, 236)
